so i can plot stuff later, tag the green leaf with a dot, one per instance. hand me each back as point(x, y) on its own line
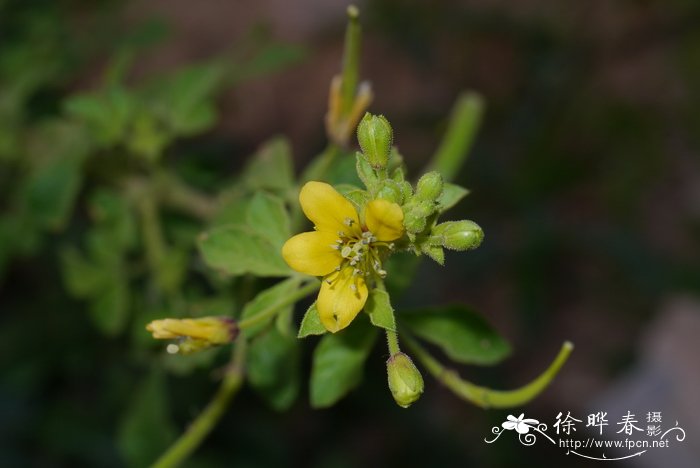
point(109, 307)
point(112, 212)
point(51, 191)
point(378, 306)
point(273, 367)
point(266, 214)
point(366, 173)
point(311, 323)
point(338, 361)
point(146, 430)
point(463, 335)
point(266, 299)
point(185, 99)
point(237, 250)
point(81, 277)
point(106, 114)
point(270, 167)
point(451, 195)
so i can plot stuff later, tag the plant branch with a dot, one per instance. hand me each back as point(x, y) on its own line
point(188, 442)
point(482, 396)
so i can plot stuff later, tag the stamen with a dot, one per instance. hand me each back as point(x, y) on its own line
point(348, 222)
point(346, 251)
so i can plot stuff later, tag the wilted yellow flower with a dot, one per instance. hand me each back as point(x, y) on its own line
point(345, 249)
point(194, 334)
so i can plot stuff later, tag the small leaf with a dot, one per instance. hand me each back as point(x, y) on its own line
point(366, 173)
point(237, 250)
point(146, 429)
point(451, 195)
point(268, 298)
point(270, 167)
point(311, 323)
point(338, 362)
point(378, 306)
point(273, 367)
point(267, 215)
point(462, 334)
point(435, 252)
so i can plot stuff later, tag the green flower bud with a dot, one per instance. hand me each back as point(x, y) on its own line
point(405, 380)
point(429, 186)
point(457, 235)
point(374, 135)
point(391, 190)
point(415, 214)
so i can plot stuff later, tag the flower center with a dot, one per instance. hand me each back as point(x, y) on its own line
point(362, 252)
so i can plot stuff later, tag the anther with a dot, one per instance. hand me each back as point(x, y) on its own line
point(348, 222)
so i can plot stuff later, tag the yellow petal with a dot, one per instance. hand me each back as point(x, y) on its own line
point(215, 330)
point(338, 303)
point(384, 219)
point(312, 253)
point(327, 209)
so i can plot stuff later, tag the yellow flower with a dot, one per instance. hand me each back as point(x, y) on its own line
point(346, 251)
point(194, 334)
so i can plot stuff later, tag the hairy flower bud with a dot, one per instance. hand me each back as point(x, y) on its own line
point(457, 235)
point(405, 380)
point(429, 186)
point(374, 135)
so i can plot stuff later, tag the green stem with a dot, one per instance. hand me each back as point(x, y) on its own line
point(482, 396)
point(351, 60)
point(188, 442)
point(177, 194)
point(270, 311)
point(458, 140)
point(153, 241)
point(392, 339)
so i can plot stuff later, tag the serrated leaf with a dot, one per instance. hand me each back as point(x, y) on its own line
point(338, 362)
point(146, 430)
point(266, 214)
point(273, 367)
point(311, 323)
point(380, 311)
point(237, 250)
point(463, 335)
point(270, 167)
point(266, 299)
point(450, 196)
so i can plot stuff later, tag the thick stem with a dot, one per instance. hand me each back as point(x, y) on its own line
point(210, 416)
point(482, 396)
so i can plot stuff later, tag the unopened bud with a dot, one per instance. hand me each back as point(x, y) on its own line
point(457, 235)
point(194, 334)
point(405, 380)
point(429, 186)
point(374, 135)
point(416, 213)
